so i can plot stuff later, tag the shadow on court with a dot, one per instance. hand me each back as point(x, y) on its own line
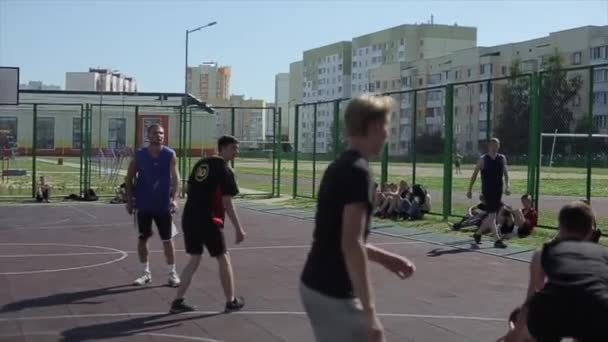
point(81, 297)
point(447, 251)
point(127, 328)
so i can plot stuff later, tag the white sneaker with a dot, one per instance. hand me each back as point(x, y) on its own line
point(143, 280)
point(174, 279)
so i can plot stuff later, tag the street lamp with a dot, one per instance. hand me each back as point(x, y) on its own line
point(186, 66)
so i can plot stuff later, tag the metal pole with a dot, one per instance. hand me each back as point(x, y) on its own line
point(488, 112)
point(34, 143)
point(189, 151)
point(413, 141)
point(279, 151)
point(590, 128)
point(448, 152)
point(314, 149)
point(81, 146)
point(136, 138)
point(295, 150)
point(532, 147)
point(538, 93)
point(384, 165)
point(274, 150)
point(336, 131)
point(232, 128)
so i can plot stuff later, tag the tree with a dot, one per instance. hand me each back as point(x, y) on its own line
point(512, 125)
point(558, 93)
point(341, 136)
point(557, 90)
point(429, 143)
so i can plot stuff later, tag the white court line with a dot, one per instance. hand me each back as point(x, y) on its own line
point(122, 256)
point(57, 334)
point(77, 226)
point(82, 211)
point(245, 313)
point(180, 250)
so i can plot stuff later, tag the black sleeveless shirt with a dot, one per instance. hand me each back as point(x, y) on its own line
point(576, 267)
point(491, 173)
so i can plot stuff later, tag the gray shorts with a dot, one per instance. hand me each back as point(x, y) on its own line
point(334, 319)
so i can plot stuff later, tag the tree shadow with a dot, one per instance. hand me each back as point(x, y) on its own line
point(129, 327)
point(81, 297)
point(443, 251)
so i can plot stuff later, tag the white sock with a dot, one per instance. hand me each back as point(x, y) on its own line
point(146, 266)
point(171, 268)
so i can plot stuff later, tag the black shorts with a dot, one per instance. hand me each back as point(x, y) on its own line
point(552, 317)
point(164, 224)
point(493, 201)
point(199, 233)
point(524, 231)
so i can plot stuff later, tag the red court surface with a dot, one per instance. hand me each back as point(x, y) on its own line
point(66, 273)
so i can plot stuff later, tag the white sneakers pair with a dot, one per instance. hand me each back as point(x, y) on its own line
point(146, 278)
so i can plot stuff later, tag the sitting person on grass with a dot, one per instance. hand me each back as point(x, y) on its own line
point(420, 203)
point(525, 218)
point(44, 191)
point(390, 193)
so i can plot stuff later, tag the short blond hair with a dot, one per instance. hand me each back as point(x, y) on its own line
point(365, 109)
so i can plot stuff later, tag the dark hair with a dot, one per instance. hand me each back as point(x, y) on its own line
point(226, 140)
point(577, 217)
point(153, 126)
point(527, 196)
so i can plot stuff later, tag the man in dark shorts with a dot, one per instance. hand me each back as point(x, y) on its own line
point(155, 176)
point(493, 167)
point(335, 284)
point(211, 187)
point(568, 288)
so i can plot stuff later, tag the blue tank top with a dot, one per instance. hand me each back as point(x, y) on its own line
point(153, 185)
point(492, 172)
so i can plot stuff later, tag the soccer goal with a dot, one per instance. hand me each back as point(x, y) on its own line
point(556, 135)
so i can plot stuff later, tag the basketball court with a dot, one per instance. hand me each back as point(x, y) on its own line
point(67, 271)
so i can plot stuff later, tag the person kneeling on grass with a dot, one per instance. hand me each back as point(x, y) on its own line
point(474, 216)
point(568, 288)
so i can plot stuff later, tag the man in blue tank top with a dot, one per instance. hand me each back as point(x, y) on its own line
point(155, 176)
point(493, 167)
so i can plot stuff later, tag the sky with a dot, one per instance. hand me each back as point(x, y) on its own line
point(258, 39)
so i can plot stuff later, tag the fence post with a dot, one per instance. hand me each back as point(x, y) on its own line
point(314, 149)
point(34, 138)
point(274, 150)
point(384, 165)
point(537, 97)
point(413, 138)
point(336, 131)
point(448, 151)
point(136, 138)
point(532, 147)
point(232, 128)
point(590, 134)
point(81, 146)
point(488, 111)
point(279, 150)
point(189, 153)
point(295, 150)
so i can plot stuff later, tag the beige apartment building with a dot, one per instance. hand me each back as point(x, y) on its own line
point(209, 82)
point(250, 120)
point(579, 46)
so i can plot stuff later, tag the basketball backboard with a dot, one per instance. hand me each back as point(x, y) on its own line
point(9, 86)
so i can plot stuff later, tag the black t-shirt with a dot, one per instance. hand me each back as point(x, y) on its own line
point(211, 179)
point(347, 180)
point(576, 268)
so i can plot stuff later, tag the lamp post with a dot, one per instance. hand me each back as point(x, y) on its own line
point(186, 66)
point(182, 141)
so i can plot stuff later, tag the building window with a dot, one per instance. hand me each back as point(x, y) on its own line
point(45, 133)
point(576, 58)
point(456, 92)
point(469, 73)
point(503, 70)
point(600, 75)
point(576, 101)
point(456, 75)
point(117, 133)
point(76, 133)
point(8, 127)
point(599, 97)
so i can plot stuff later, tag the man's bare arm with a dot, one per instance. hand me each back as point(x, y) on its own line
point(474, 176)
point(355, 253)
point(130, 179)
point(507, 185)
point(175, 179)
point(234, 218)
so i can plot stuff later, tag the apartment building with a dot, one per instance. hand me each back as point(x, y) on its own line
point(326, 76)
point(296, 91)
point(403, 44)
point(249, 120)
point(38, 85)
point(281, 100)
point(209, 81)
point(100, 79)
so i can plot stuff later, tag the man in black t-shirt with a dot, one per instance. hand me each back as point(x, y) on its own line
point(211, 187)
point(335, 286)
point(568, 288)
